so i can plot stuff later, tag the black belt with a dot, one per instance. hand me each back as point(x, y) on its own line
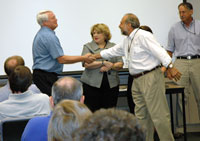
point(188, 57)
point(144, 72)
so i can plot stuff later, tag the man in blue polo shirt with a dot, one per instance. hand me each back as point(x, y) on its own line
point(48, 55)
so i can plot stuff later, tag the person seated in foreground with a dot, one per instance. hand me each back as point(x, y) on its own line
point(63, 88)
point(68, 115)
point(9, 65)
point(22, 102)
point(110, 125)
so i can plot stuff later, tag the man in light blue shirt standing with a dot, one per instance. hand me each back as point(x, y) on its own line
point(184, 44)
point(48, 55)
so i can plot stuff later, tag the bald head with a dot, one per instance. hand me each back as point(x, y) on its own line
point(67, 88)
point(11, 63)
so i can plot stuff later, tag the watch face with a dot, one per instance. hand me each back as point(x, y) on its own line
point(170, 66)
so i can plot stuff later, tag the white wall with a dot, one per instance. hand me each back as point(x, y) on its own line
point(18, 24)
point(196, 8)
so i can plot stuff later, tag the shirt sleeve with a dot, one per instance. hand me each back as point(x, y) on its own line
point(55, 48)
point(155, 48)
point(114, 51)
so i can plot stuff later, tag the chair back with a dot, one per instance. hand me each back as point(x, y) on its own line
point(12, 128)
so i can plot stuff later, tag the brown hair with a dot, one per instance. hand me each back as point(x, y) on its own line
point(20, 79)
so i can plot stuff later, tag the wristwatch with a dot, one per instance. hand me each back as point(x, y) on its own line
point(170, 65)
point(102, 63)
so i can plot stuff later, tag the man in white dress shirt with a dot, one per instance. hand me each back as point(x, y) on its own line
point(144, 55)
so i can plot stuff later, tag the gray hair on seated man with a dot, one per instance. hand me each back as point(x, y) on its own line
point(110, 125)
point(67, 116)
point(67, 88)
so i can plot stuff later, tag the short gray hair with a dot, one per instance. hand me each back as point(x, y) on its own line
point(133, 20)
point(67, 116)
point(42, 16)
point(67, 88)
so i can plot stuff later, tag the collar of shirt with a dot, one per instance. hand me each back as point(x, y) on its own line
point(47, 29)
point(131, 36)
point(96, 47)
point(191, 24)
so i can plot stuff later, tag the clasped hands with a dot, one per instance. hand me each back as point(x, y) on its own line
point(106, 67)
point(89, 58)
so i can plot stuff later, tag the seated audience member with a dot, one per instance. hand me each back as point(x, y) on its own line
point(109, 125)
point(63, 88)
point(67, 116)
point(22, 102)
point(9, 66)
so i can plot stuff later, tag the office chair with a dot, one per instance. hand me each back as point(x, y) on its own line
point(12, 128)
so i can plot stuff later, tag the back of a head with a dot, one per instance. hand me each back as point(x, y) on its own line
point(67, 116)
point(110, 125)
point(20, 79)
point(11, 63)
point(67, 88)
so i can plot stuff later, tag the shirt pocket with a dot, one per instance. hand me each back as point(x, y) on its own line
point(138, 52)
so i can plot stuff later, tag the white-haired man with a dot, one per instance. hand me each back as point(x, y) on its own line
point(48, 55)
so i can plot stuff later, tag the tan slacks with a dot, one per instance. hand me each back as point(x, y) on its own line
point(151, 108)
point(190, 70)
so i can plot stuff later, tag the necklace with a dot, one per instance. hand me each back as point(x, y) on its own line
point(103, 45)
point(129, 45)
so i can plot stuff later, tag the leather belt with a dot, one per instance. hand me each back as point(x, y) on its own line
point(144, 72)
point(188, 57)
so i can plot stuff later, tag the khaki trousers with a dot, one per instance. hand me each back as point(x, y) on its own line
point(190, 70)
point(151, 108)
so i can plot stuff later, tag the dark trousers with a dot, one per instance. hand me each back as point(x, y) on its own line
point(131, 103)
point(103, 97)
point(44, 80)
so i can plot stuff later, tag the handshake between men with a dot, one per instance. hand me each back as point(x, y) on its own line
point(106, 65)
point(89, 58)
